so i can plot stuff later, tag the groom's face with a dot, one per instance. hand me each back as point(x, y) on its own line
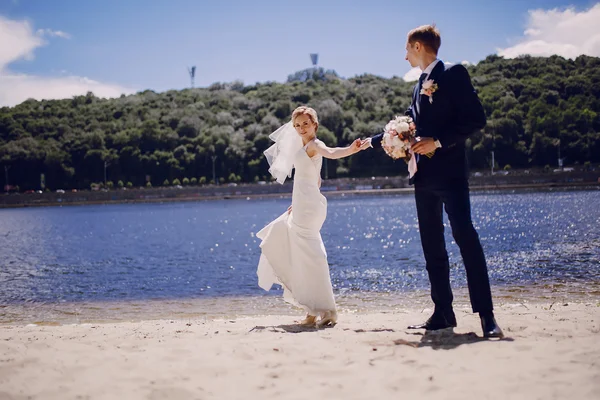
point(412, 54)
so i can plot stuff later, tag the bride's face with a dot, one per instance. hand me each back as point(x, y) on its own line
point(305, 126)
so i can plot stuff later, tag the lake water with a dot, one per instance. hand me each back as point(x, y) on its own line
point(205, 250)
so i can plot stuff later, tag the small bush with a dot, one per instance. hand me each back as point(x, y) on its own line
point(342, 171)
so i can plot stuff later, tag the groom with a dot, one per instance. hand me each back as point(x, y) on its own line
point(446, 110)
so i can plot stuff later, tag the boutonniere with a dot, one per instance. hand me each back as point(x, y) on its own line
point(428, 88)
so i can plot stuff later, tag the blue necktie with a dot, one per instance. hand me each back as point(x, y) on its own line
point(421, 80)
point(418, 105)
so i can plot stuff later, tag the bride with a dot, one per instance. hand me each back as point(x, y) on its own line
point(293, 254)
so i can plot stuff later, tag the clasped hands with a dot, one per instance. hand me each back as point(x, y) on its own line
point(420, 145)
point(361, 144)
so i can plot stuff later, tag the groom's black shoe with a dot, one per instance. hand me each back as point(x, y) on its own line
point(439, 320)
point(489, 326)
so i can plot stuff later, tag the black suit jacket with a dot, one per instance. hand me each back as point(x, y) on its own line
point(455, 113)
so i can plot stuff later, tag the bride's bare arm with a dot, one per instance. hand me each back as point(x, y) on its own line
point(318, 147)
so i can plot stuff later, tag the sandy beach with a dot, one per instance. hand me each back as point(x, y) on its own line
point(551, 351)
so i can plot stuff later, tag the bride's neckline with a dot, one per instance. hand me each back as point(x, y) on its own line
point(306, 145)
point(311, 140)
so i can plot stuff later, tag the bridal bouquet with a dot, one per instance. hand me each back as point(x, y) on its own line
point(397, 137)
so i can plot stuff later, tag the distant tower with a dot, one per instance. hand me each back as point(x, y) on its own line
point(192, 72)
point(314, 57)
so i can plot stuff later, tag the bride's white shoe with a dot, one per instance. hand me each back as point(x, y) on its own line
point(328, 319)
point(310, 320)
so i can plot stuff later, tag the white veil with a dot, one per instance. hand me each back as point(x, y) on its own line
point(281, 155)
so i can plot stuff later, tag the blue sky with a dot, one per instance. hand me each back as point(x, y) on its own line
point(132, 45)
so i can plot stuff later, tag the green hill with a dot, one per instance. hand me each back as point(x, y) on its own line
point(536, 107)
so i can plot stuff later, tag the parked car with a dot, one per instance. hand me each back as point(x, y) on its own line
point(59, 191)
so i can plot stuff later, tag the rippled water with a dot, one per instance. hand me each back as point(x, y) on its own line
point(137, 252)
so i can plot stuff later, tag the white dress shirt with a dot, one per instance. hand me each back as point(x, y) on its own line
point(430, 68)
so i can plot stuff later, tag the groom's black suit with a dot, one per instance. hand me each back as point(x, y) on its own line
point(442, 181)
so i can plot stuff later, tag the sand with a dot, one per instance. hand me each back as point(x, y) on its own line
point(551, 351)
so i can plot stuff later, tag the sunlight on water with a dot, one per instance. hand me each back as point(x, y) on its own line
point(170, 252)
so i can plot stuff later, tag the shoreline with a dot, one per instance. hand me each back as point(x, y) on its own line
point(223, 307)
point(326, 193)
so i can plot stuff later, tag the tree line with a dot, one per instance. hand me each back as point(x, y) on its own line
point(539, 109)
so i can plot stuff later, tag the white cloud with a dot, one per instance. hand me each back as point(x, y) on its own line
point(15, 88)
point(51, 33)
point(566, 32)
point(16, 41)
point(414, 74)
point(19, 41)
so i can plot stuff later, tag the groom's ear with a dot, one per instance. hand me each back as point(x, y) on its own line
point(417, 46)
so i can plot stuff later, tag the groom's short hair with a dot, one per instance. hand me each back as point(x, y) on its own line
point(428, 36)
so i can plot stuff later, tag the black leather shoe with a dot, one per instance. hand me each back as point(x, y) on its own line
point(439, 320)
point(490, 326)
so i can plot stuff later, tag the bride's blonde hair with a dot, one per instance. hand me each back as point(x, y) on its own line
point(303, 110)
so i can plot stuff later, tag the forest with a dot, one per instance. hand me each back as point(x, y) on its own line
point(539, 110)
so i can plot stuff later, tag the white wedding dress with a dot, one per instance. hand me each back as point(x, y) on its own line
point(293, 254)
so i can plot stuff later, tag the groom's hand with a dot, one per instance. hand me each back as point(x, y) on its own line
point(424, 145)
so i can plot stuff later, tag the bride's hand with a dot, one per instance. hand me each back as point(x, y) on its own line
point(356, 145)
